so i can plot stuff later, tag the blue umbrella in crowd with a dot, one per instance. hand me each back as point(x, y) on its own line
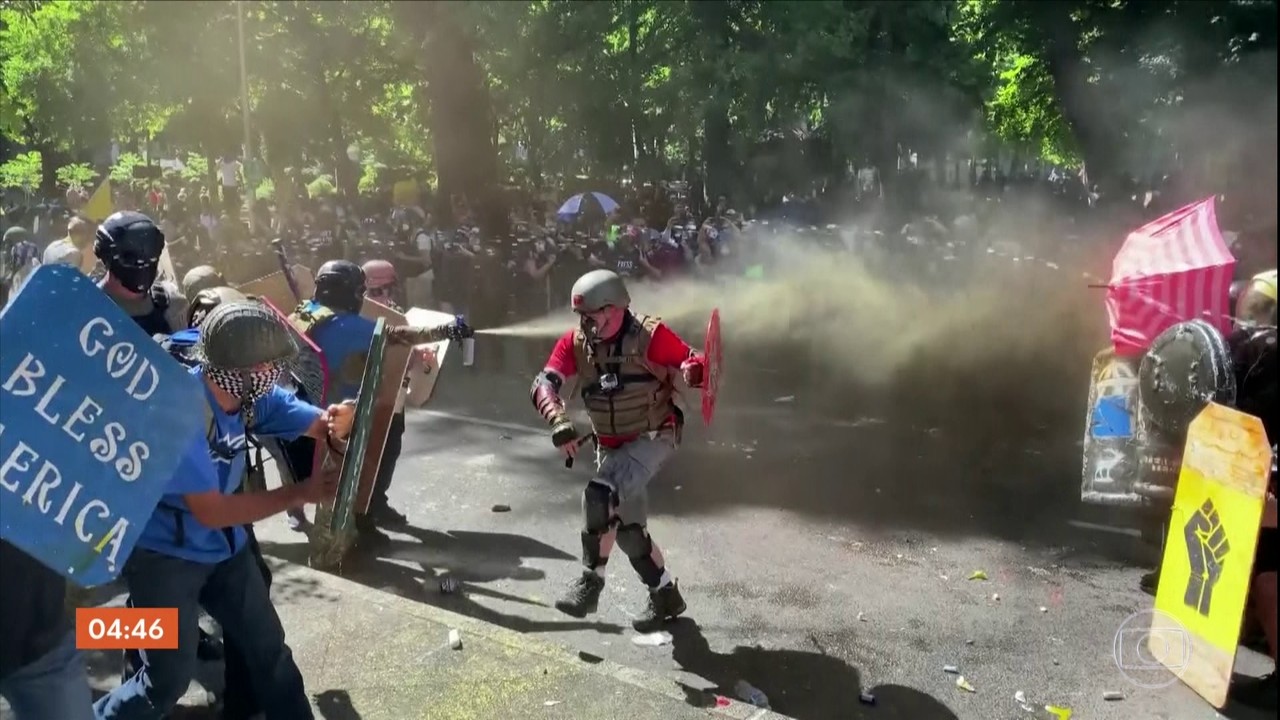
point(573, 205)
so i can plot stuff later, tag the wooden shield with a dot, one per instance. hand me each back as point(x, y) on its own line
point(422, 379)
point(394, 363)
point(1210, 548)
point(360, 444)
point(275, 287)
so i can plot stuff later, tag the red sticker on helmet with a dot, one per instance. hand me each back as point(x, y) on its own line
point(577, 300)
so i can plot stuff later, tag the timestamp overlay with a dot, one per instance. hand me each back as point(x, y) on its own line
point(124, 628)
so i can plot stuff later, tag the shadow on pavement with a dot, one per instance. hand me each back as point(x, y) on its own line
point(803, 685)
point(414, 568)
point(336, 705)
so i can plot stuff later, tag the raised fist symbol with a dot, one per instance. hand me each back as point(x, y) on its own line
point(1207, 548)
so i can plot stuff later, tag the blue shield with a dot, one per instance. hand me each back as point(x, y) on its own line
point(94, 418)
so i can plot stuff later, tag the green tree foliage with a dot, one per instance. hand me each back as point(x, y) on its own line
point(22, 172)
point(122, 170)
point(756, 98)
point(76, 175)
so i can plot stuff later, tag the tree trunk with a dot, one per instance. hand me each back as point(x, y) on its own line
point(1082, 104)
point(460, 112)
point(717, 157)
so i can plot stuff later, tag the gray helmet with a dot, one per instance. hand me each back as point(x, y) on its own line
point(206, 300)
point(599, 289)
point(242, 335)
point(201, 277)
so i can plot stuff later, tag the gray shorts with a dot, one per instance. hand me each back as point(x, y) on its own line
point(627, 471)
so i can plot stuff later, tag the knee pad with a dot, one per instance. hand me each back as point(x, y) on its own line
point(634, 541)
point(597, 508)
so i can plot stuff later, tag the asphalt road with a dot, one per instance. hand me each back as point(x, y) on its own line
point(824, 545)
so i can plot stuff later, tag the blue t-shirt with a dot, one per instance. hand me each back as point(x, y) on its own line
point(340, 339)
point(218, 464)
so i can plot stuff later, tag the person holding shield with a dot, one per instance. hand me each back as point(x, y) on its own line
point(194, 552)
point(626, 366)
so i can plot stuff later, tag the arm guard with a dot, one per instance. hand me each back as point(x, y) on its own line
point(545, 395)
point(410, 335)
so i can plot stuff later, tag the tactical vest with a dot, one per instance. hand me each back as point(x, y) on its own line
point(308, 368)
point(641, 400)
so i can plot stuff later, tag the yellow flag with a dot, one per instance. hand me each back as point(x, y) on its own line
point(99, 205)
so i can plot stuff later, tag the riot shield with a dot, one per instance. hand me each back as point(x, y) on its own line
point(423, 379)
point(275, 287)
point(1110, 450)
point(714, 355)
point(390, 380)
point(334, 528)
point(1187, 367)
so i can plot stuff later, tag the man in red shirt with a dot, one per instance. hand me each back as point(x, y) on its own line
point(626, 366)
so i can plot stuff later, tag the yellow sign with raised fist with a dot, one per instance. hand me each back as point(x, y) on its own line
point(1208, 554)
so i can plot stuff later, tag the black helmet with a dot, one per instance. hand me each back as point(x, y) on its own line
point(340, 285)
point(244, 335)
point(130, 245)
point(203, 303)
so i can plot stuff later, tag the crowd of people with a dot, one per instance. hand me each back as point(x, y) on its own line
point(198, 552)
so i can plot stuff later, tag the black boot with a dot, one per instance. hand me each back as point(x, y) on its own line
point(582, 596)
point(665, 603)
point(368, 536)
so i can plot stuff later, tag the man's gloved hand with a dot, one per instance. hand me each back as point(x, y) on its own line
point(694, 370)
point(458, 330)
point(563, 432)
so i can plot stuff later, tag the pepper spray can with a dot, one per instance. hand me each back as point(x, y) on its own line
point(468, 347)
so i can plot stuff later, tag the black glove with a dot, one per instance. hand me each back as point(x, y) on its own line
point(459, 330)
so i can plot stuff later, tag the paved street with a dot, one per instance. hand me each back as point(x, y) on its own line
point(823, 553)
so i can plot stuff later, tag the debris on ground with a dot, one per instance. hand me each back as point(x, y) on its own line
point(656, 639)
point(867, 698)
point(1044, 609)
point(1112, 695)
point(501, 508)
point(862, 617)
point(785, 399)
point(551, 703)
point(978, 575)
point(448, 584)
point(964, 685)
point(750, 694)
point(455, 639)
point(951, 669)
point(995, 597)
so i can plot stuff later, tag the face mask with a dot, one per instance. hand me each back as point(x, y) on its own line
point(136, 279)
point(250, 387)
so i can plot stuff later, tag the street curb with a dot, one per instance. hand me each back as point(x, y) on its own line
point(650, 682)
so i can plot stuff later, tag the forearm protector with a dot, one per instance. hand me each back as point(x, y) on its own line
point(413, 335)
point(545, 395)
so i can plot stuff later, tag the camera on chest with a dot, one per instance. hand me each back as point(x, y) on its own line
point(609, 383)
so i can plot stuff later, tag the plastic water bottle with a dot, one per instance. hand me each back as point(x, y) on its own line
point(468, 347)
point(748, 693)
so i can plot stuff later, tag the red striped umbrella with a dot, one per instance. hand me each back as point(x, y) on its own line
point(1171, 270)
